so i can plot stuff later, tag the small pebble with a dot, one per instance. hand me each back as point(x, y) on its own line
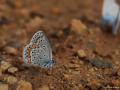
point(81, 53)
point(4, 65)
point(10, 79)
point(94, 84)
point(44, 87)
point(101, 63)
point(24, 85)
point(11, 50)
point(78, 26)
point(3, 86)
point(12, 70)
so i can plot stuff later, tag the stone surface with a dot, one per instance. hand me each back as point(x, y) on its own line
point(78, 26)
point(10, 79)
point(3, 86)
point(44, 87)
point(94, 84)
point(24, 85)
point(101, 63)
point(11, 50)
point(4, 65)
point(81, 53)
point(12, 70)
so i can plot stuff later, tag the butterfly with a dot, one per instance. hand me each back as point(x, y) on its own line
point(111, 15)
point(38, 52)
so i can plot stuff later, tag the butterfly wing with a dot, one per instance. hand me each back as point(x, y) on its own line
point(40, 40)
point(42, 51)
point(25, 54)
point(116, 24)
point(110, 11)
point(39, 58)
point(38, 52)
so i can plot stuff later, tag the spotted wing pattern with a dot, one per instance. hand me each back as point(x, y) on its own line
point(38, 52)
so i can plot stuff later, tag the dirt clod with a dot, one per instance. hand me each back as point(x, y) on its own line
point(24, 85)
point(77, 26)
point(10, 79)
point(81, 53)
point(44, 87)
point(11, 50)
point(4, 65)
point(3, 86)
point(12, 70)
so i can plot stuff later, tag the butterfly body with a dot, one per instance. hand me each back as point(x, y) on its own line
point(38, 52)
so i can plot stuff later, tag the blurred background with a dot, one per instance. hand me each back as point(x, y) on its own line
point(86, 56)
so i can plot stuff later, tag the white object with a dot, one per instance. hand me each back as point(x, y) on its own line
point(111, 14)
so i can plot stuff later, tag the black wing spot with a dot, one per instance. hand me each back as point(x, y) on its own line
point(43, 46)
point(41, 40)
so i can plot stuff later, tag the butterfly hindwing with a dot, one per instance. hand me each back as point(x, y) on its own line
point(40, 51)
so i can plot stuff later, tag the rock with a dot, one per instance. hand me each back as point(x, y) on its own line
point(44, 87)
point(4, 65)
point(77, 26)
point(12, 70)
point(101, 62)
point(81, 53)
point(3, 86)
point(11, 50)
point(10, 79)
point(24, 85)
point(94, 84)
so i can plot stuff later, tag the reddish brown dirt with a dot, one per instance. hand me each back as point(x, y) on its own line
point(69, 72)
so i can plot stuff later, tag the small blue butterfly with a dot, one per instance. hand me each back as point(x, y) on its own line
point(38, 52)
point(111, 15)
